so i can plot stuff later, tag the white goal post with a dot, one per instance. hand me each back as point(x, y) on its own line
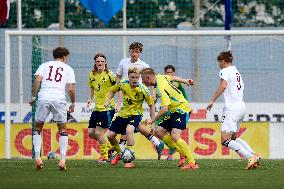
point(10, 33)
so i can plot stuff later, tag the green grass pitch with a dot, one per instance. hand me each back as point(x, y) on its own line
point(146, 174)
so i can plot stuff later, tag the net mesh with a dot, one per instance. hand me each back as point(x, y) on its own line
point(150, 14)
point(257, 58)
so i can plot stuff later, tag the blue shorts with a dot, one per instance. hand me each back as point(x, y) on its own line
point(101, 119)
point(174, 120)
point(120, 123)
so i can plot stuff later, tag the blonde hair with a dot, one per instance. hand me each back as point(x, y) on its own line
point(133, 70)
point(147, 71)
point(100, 54)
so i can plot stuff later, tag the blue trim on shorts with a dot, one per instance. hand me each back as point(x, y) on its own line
point(101, 119)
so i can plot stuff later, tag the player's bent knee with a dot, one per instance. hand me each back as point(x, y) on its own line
point(91, 132)
point(61, 127)
point(130, 129)
point(39, 125)
point(143, 130)
point(175, 137)
point(111, 135)
point(158, 134)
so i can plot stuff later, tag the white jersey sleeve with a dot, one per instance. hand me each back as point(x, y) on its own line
point(40, 70)
point(224, 75)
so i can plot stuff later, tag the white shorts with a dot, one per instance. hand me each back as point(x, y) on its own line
point(231, 120)
point(57, 108)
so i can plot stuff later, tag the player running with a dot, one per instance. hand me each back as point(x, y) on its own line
point(53, 77)
point(135, 49)
point(101, 79)
point(231, 83)
point(128, 118)
point(172, 100)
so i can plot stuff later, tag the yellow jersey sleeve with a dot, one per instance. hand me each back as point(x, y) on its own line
point(146, 92)
point(171, 96)
point(90, 80)
point(111, 77)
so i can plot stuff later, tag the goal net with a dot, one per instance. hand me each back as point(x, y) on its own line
point(257, 54)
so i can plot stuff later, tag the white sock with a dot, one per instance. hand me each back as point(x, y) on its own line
point(37, 144)
point(154, 140)
point(122, 147)
point(122, 144)
point(63, 144)
point(237, 147)
point(245, 145)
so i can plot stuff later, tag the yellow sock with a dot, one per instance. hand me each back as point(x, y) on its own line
point(104, 150)
point(117, 148)
point(185, 150)
point(109, 145)
point(170, 143)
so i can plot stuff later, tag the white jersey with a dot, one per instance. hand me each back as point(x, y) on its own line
point(56, 75)
point(235, 88)
point(125, 64)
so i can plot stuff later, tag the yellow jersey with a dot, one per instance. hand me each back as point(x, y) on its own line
point(133, 98)
point(170, 95)
point(102, 83)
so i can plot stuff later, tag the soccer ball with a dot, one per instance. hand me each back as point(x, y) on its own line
point(52, 155)
point(127, 156)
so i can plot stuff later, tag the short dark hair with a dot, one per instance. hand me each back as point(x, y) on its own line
point(170, 67)
point(136, 45)
point(226, 56)
point(60, 52)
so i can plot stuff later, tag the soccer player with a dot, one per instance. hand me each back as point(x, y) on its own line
point(101, 79)
point(171, 71)
point(172, 100)
point(135, 49)
point(231, 84)
point(128, 118)
point(53, 76)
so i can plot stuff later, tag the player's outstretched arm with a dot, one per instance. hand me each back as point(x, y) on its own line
point(152, 115)
point(188, 82)
point(110, 96)
point(162, 111)
point(71, 92)
point(36, 85)
point(119, 95)
point(218, 92)
point(91, 95)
